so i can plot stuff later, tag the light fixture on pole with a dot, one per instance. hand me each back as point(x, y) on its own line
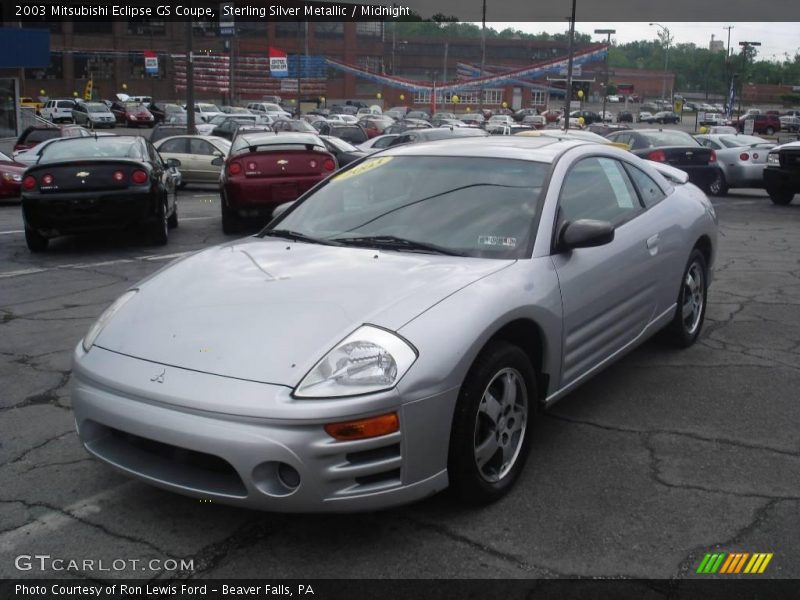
point(608, 55)
point(667, 40)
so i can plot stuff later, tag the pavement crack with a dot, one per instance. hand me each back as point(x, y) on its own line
point(22, 456)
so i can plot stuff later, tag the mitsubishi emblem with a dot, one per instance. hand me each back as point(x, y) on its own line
point(160, 377)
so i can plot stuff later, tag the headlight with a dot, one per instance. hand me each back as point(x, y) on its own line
point(773, 159)
point(368, 360)
point(133, 117)
point(15, 177)
point(103, 320)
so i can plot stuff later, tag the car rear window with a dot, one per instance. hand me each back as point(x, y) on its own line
point(670, 138)
point(159, 133)
point(90, 147)
point(39, 135)
point(65, 104)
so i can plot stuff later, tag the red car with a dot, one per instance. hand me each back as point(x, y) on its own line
point(36, 134)
point(767, 124)
point(375, 125)
point(10, 178)
point(132, 114)
point(264, 170)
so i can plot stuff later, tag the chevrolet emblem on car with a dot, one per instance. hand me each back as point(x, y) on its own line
point(283, 162)
point(82, 174)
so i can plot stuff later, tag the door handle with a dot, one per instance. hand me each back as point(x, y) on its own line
point(652, 244)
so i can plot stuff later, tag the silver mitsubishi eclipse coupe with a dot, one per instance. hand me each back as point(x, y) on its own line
point(396, 330)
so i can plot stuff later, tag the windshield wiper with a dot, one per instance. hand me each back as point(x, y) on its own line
point(298, 237)
point(392, 242)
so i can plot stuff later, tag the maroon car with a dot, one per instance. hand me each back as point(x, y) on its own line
point(132, 114)
point(36, 134)
point(10, 178)
point(766, 124)
point(264, 170)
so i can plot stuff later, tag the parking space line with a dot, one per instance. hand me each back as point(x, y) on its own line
point(105, 263)
point(12, 231)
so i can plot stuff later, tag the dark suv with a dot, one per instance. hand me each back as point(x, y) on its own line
point(782, 173)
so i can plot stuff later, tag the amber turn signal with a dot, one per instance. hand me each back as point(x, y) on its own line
point(364, 428)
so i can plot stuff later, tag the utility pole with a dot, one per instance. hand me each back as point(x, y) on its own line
point(446, 50)
point(190, 120)
point(568, 91)
point(483, 57)
point(668, 39)
point(728, 52)
point(608, 56)
point(745, 46)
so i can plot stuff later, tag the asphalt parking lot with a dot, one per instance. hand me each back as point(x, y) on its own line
point(665, 456)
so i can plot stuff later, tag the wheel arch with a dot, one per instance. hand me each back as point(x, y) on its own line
point(706, 248)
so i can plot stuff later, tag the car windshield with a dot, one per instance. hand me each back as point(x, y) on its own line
point(135, 106)
point(96, 107)
point(340, 144)
point(669, 138)
point(90, 147)
point(735, 141)
point(40, 135)
point(5, 157)
point(471, 206)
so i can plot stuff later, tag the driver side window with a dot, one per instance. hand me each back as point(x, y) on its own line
point(598, 188)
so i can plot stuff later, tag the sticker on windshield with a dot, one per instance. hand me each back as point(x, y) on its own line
point(497, 240)
point(367, 165)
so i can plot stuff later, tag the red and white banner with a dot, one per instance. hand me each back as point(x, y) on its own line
point(278, 63)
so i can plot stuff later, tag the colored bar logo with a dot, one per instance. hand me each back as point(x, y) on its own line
point(734, 563)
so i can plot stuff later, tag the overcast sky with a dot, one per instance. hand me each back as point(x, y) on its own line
point(776, 38)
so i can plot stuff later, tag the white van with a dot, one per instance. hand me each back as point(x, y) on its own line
point(58, 111)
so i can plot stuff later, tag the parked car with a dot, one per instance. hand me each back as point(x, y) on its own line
point(742, 159)
point(588, 116)
point(58, 110)
point(344, 152)
point(500, 120)
point(624, 117)
point(782, 173)
point(165, 112)
point(472, 119)
point(298, 126)
point(28, 102)
point(205, 111)
point(196, 155)
point(375, 125)
point(165, 130)
point(98, 183)
point(268, 108)
point(10, 178)
point(132, 114)
point(30, 156)
point(604, 129)
point(418, 114)
point(790, 123)
point(36, 134)
point(396, 331)
point(712, 118)
point(350, 132)
point(646, 117)
point(93, 115)
point(666, 116)
point(677, 149)
point(235, 110)
point(264, 170)
point(223, 125)
point(766, 124)
point(535, 121)
point(414, 136)
point(377, 143)
point(524, 112)
point(406, 124)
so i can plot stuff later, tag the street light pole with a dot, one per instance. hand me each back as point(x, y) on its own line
point(483, 57)
point(668, 39)
point(608, 56)
point(745, 46)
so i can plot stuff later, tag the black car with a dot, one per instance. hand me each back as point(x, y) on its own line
point(675, 148)
point(98, 183)
point(666, 116)
point(589, 116)
point(228, 126)
point(353, 133)
point(624, 117)
point(163, 113)
point(344, 152)
point(407, 124)
point(524, 112)
point(782, 173)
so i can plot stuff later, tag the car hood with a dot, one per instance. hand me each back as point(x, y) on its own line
point(267, 310)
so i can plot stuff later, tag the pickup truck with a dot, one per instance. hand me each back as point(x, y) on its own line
point(782, 173)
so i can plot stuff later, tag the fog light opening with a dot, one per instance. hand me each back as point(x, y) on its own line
point(275, 478)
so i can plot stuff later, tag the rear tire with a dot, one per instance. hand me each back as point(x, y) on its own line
point(230, 220)
point(492, 424)
point(780, 196)
point(159, 229)
point(36, 241)
point(692, 300)
point(769, 131)
point(172, 221)
point(718, 187)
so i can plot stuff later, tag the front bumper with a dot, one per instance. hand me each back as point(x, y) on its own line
point(166, 434)
point(782, 178)
point(78, 212)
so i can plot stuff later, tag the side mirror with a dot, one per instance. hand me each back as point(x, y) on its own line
point(173, 163)
point(585, 233)
point(218, 161)
point(282, 208)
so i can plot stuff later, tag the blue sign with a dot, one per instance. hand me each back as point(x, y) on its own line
point(22, 48)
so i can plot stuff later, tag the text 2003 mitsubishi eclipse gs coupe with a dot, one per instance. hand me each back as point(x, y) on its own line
point(396, 329)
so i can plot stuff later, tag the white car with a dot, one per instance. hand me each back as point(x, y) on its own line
point(646, 117)
point(205, 112)
point(607, 116)
point(58, 111)
point(379, 142)
point(208, 128)
point(268, 108)
point(501, 120)
point(349, 119)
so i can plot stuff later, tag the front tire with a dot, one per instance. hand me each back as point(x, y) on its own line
point(492, 424)
point(769, 131)
point(36, 241)
point(780, 196)
point(692, 299)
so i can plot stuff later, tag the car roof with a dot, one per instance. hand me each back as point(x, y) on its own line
point(292, 137)
point(539, 149)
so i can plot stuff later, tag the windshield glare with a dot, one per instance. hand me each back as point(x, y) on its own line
point(478, 207)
